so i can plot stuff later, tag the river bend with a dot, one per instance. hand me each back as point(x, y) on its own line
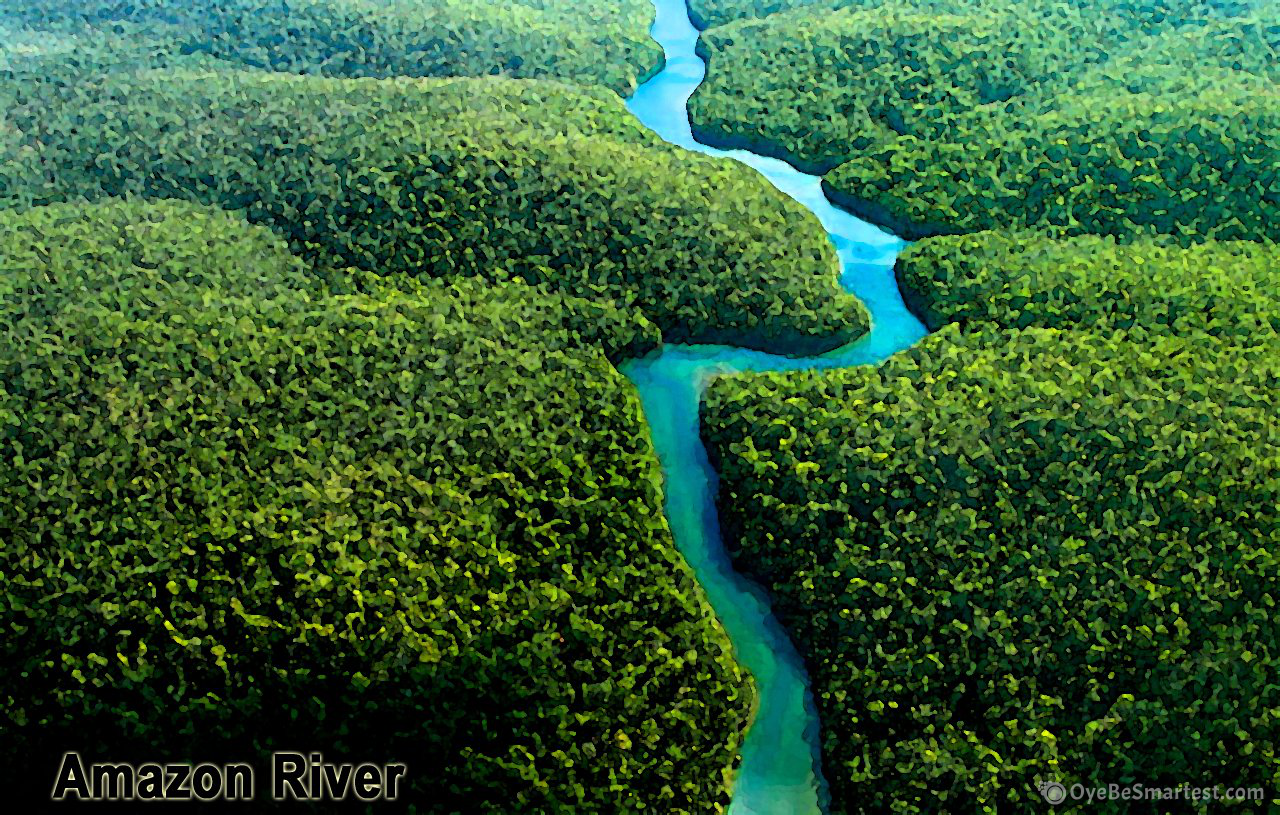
point(781, 769)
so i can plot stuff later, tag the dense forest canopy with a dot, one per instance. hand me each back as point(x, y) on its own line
point(427, 177)
point(1226, 289)
point(934, 117)
point(594, 43)
point(1134, 15)
point(1018, 555)
point(418, 525)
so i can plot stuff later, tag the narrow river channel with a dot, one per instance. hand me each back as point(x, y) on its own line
point(781, 771)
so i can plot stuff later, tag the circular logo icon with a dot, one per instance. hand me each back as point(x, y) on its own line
point(1053, 792)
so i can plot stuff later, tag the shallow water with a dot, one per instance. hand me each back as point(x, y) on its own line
point(780, 772)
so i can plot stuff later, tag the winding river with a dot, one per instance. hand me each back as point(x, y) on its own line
point(781, 770)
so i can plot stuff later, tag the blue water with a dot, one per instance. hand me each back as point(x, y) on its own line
point(781, 770)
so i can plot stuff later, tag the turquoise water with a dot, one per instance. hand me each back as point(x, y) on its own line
point(780, 772)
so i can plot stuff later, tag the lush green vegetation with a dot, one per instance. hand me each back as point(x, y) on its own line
point(1135, 15)
point(593, 43)
point(819, 88)
point(708, 13)
point(1017, 555)
point(1230, 290)
point(1199, 162)
point(406, 178)
point(1042, 543)
point(419, 525)
point(1105, 117)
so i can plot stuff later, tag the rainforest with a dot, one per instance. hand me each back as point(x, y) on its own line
point(765, 407)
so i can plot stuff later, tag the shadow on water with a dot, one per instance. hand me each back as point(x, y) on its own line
point(780, 772)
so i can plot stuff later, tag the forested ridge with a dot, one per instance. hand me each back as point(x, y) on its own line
point(403, 177)
point(604, 44)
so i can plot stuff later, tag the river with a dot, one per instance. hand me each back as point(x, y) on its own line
point(781, 761)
